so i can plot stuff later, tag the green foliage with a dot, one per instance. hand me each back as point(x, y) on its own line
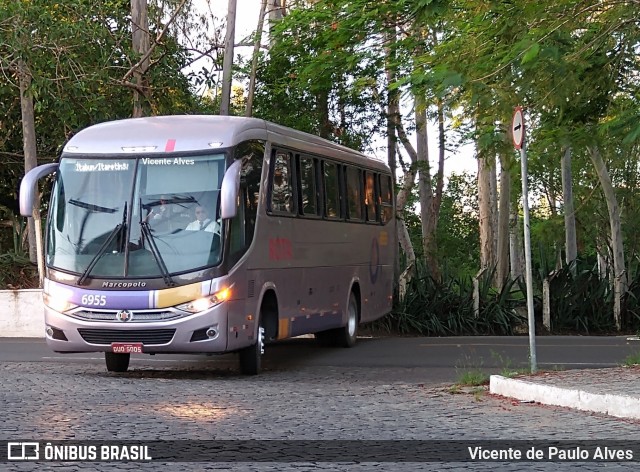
point(581, 303)
point(632, 360)
point(77, 54)
point(458, 227)
point(473, 378)
point(325, 68)
point(436, 308)
point(17, 272)
point(631, 306)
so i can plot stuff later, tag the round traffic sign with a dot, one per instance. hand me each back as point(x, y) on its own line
point(517, 128)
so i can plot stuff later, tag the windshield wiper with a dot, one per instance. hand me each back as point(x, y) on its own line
point(146, 233)
point(103, 248)
point(92, 207)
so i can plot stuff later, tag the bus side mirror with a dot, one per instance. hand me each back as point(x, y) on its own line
point(28, 188)
point(229, 190)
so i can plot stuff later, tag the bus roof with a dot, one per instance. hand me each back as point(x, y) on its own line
point(184, 133)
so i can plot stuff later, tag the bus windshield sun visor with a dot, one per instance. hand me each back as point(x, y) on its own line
point(119, 228)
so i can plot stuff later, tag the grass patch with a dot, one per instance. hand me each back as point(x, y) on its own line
point(473, 378)
point(632, 360)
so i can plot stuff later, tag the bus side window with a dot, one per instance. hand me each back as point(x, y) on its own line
point(386, 199)
point(331, 184)
point(370, 197)
point(354, 193)
point(282, 200)
point(308, 191)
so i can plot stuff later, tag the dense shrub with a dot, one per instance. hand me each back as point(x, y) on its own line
point(581, 302)
point(17, 272)
point(445, 308)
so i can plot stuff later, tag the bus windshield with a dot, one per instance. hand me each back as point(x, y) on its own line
point(136, 217)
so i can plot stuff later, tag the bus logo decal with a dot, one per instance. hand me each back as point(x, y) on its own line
point(280, 249)
point(124, 316)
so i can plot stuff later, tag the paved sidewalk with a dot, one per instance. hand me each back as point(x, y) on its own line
point(613, 391)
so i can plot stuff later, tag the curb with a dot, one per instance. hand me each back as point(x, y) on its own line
point(620, 406)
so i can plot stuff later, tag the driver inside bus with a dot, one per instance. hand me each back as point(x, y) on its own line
point(203, 222)
point(161, 213)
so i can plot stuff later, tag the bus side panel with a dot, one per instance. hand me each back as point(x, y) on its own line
point(376, 278)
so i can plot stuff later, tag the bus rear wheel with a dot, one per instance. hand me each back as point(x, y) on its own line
point(117, 362)
point(345, 336)
point(251, 356)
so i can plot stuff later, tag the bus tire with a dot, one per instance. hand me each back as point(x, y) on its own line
point(345, 336)
point(117, 362)
point(251, 356)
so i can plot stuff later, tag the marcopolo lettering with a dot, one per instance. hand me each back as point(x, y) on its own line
point(124, 284)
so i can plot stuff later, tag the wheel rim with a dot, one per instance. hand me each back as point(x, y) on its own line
point(261, 340)
point(352, 322)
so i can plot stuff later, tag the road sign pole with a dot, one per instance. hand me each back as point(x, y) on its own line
point(518, 133)
point(527, 258)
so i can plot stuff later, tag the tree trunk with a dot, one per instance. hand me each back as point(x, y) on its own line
point(322, 104)
point(254, 59)
point(34, 224)
point(502, 272)
point(617, 246)
point(227, 61)
point(441, 153)
point(486, 215)
point(407, 247)
point(276, 9)
point(140, 30)
point(493, 172)
point(401, 201)
point(571, 246)
point(275, 12)
point(403, 234)
point(425, 189)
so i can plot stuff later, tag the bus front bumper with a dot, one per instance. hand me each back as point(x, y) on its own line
point(204, 332)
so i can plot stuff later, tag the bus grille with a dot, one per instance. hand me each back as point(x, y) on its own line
point(138, 316)
point(144, 336)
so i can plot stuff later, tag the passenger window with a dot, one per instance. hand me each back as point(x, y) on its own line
point(354, 193)
point(281, 185)
point(331, 190)
point(370, 197)
point(386, 199)
point(308, 186)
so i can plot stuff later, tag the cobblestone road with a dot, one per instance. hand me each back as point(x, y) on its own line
point(56, 401)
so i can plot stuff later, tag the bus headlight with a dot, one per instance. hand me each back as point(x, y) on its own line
point(202, 304)
point(58, 302)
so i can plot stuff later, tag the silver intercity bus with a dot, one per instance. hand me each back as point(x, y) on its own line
point(211, 234)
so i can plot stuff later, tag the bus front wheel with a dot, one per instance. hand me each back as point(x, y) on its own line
point(251, 356)
point(117, 362)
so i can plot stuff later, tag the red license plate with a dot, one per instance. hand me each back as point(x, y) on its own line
point(126, 348)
